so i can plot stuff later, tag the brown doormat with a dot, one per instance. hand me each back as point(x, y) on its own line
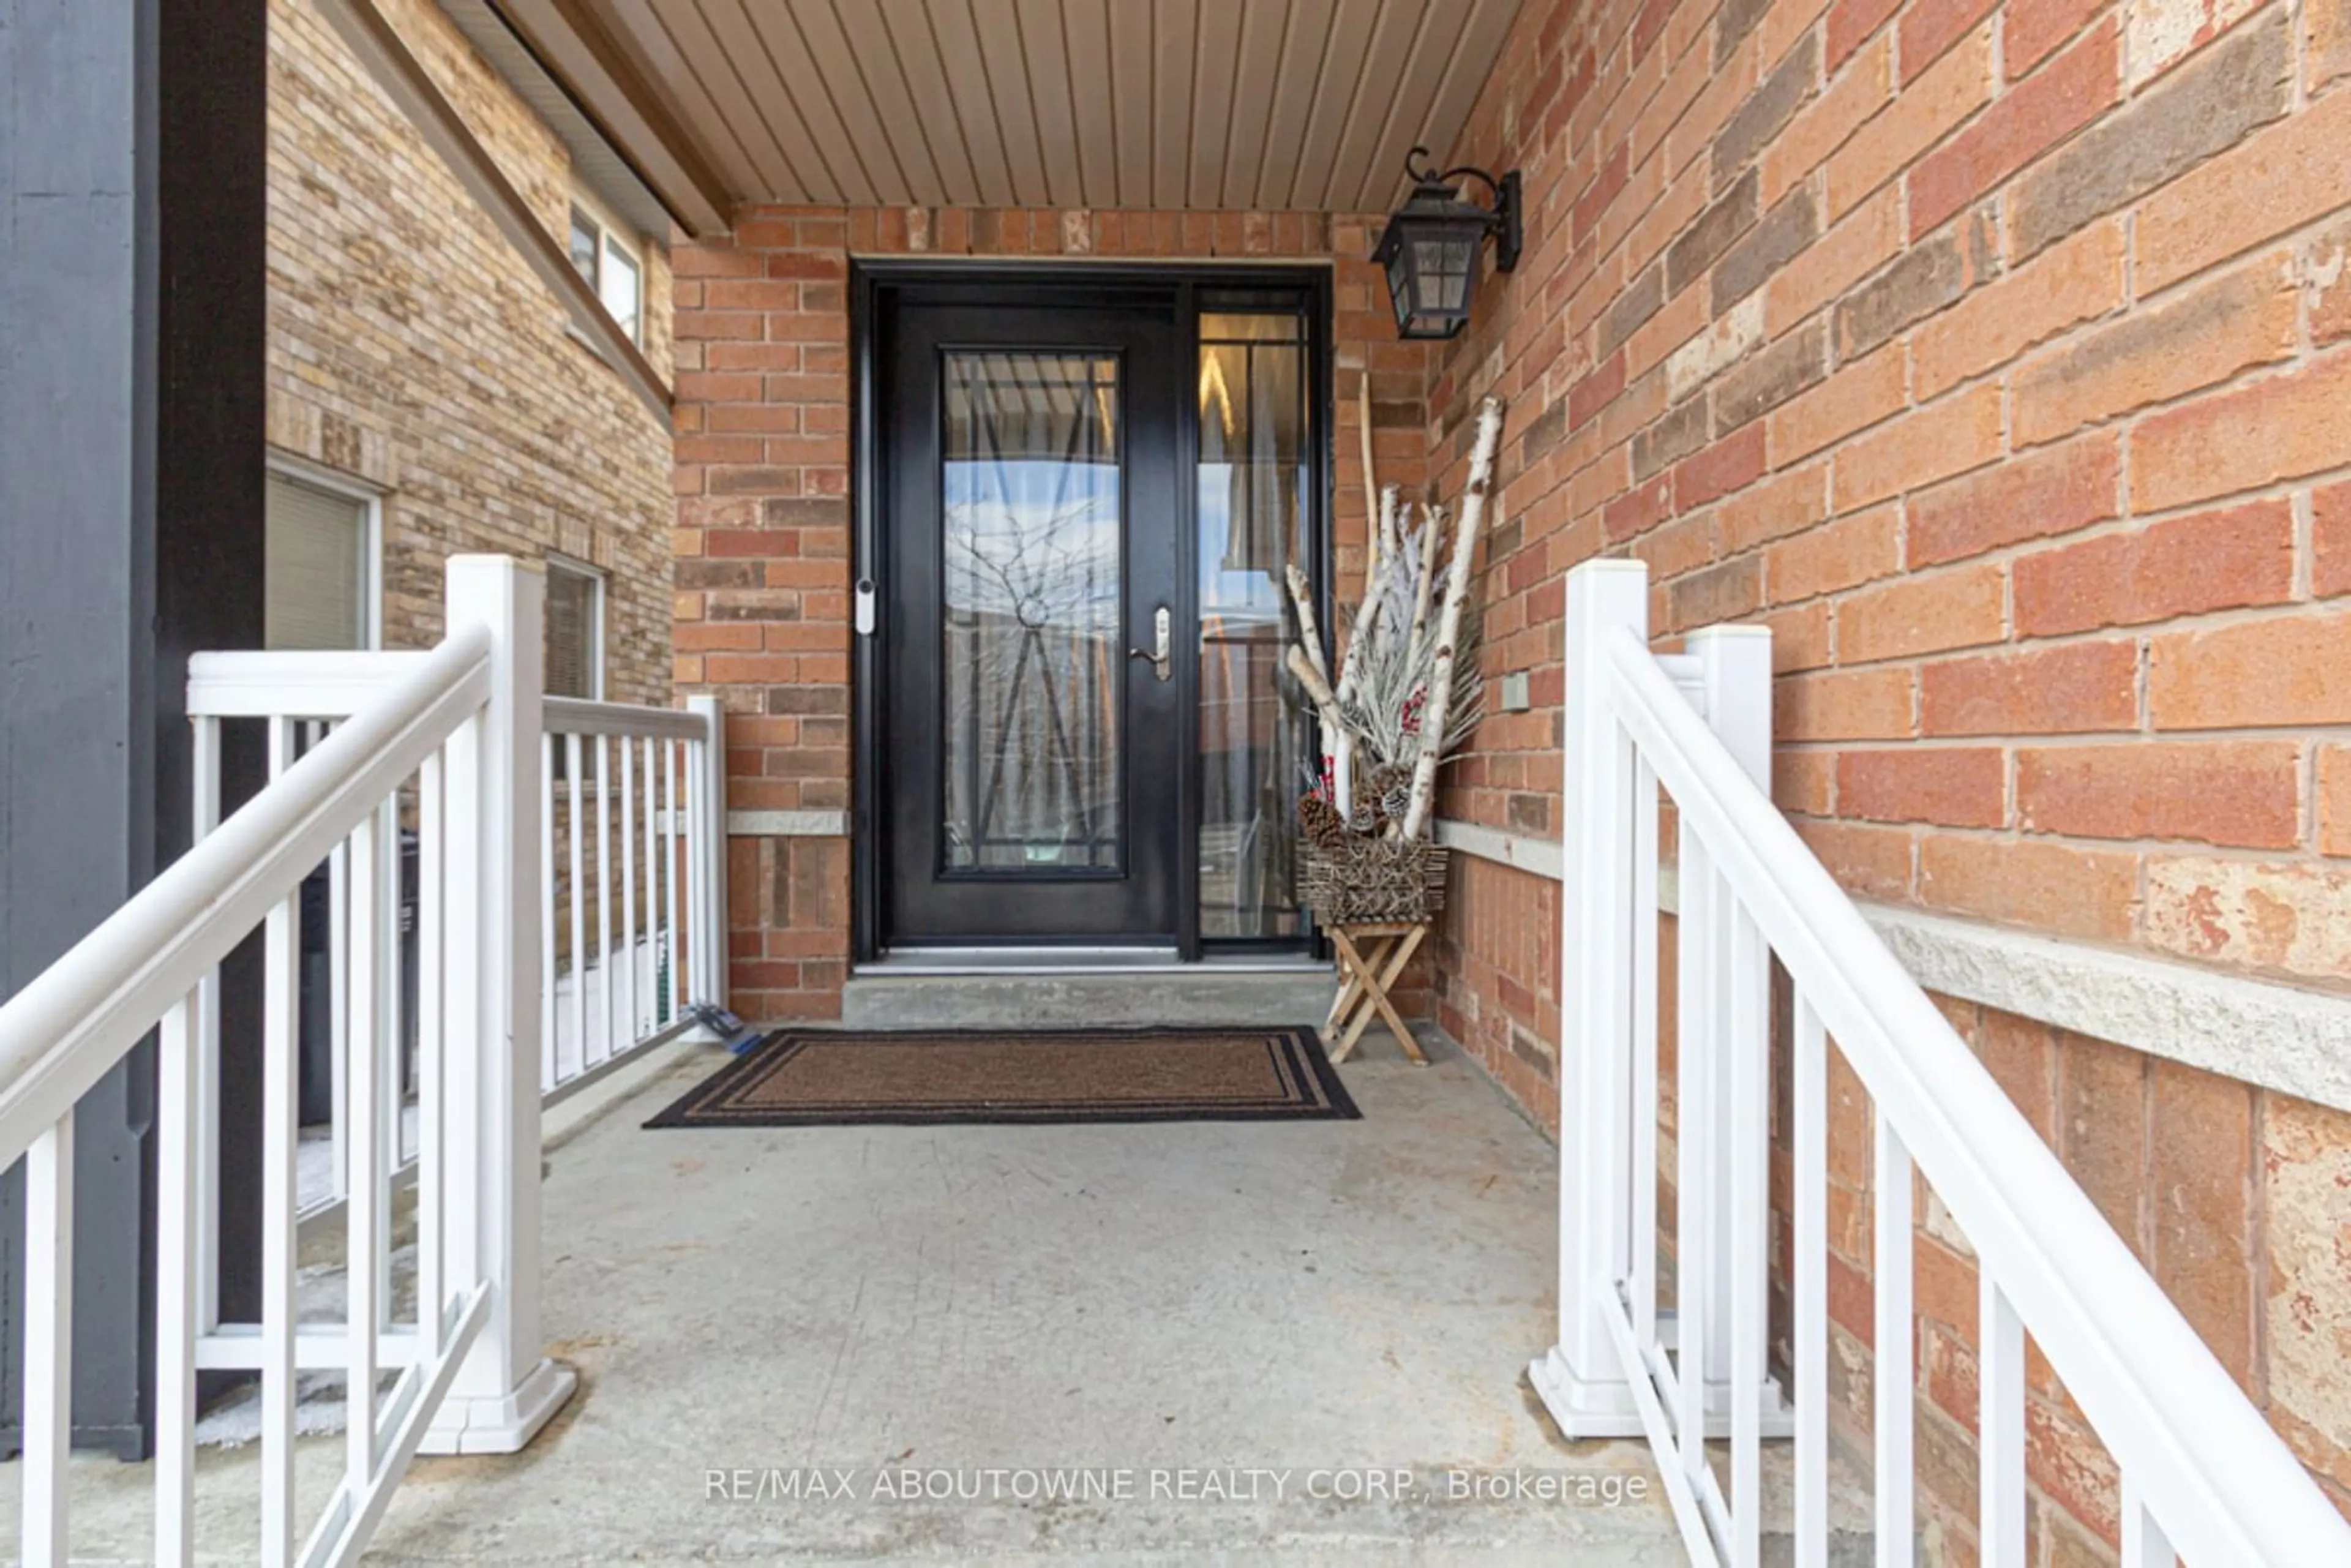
point(802, 1078)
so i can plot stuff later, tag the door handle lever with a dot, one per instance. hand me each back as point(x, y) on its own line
point(1160, 653)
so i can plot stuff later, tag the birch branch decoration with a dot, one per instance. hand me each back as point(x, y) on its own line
point(1366, 624)
point(1310, 625)
point(1436, 712)
point(1318, 690)
point(1432, 527)
point(1305, 662)
point(1408, 692)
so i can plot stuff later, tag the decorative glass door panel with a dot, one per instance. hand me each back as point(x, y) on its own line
point(1253, 507)
point(1034, 611)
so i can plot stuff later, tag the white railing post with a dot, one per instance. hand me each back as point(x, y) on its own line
point(709, 847)
point(1580, 1379)
point(1734, 667)
point(506, 1388)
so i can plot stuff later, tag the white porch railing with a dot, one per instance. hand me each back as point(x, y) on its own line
point(2202, 1473)
point(628, 883)
point(451, 733)
point(633, 799)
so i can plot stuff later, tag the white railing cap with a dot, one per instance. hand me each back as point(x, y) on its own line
point(252, 684)
point(575, 716)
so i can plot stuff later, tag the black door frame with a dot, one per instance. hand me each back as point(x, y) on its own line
point(874, 286)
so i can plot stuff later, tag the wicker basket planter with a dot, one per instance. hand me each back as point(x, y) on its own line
point(1361, 880)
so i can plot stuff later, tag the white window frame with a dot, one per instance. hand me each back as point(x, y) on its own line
point(612, 234)
point(599, 585)
point(301, 471)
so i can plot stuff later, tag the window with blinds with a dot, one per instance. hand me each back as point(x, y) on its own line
point(315, 573)
point(611, 267)
point(574, 654)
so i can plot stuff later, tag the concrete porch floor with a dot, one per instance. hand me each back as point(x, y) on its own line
point(1291, 1296)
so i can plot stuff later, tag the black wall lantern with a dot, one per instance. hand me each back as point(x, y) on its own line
point(1430, 248)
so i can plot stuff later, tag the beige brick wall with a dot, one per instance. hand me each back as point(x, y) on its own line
point(412, 347)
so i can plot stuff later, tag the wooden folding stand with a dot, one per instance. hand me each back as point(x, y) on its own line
point(1366, 972)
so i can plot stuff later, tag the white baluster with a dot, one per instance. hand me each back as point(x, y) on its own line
point(1748, 1222)
point(280, 1055)
point(2000, 1445)
point(548, 1073)
point(280, 1067)
point(1696, 1055)
point(179, 1230)
point(689, 907)
point(339, 1009)
point(653, 891)
point(1811, 1340)
point(1893, 1388)
point(49, 1342)
point(577, 832)
point(1643, 1301)
point(2145, 1544)
point(432, 1011)
point(391, 1088)
point(608, 1036)
point(397, 1070)
point(672, 907)
point(634, 1028)
point(362, 1216)
point(206, 766)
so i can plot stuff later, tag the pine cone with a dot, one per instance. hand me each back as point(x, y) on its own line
point(1393, 787)
point(1319, 820)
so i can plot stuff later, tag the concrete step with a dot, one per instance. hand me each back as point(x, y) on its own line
point(1200, 995)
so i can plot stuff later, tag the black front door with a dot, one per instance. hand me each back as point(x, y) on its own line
point(1029, 702)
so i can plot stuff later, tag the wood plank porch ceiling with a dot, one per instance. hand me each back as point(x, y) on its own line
point(1273, 104)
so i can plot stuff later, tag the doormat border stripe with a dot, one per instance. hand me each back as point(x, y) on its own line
point(1318, 1094)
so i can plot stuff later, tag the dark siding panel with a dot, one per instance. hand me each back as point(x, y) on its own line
point(131, 430)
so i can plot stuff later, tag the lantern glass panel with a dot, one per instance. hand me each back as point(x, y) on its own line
point(1429, 275)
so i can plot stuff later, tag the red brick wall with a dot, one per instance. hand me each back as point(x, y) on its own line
point(1495, 976)
point(1990, 354)
point(763, 509)
point(1993, 353)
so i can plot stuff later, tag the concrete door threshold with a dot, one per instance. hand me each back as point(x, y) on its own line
point(1194, 994)
point(1064, 959)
